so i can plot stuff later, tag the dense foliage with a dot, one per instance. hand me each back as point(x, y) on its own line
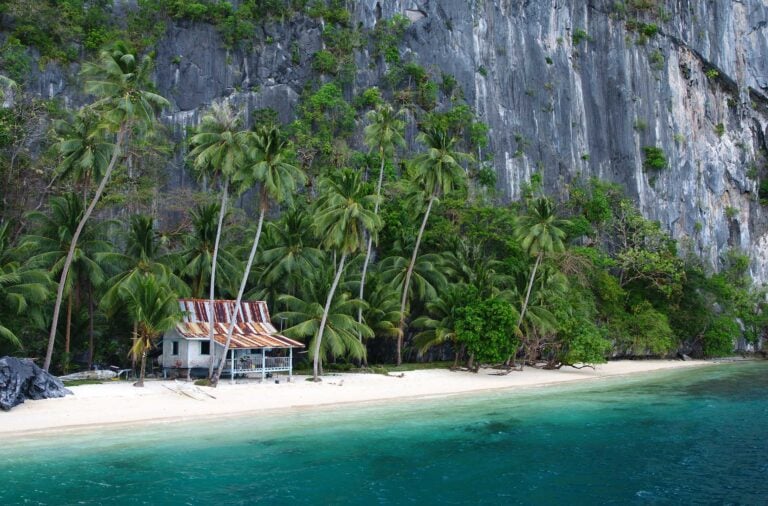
point(367, 245)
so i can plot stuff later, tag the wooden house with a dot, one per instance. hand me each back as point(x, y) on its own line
point(256, 347)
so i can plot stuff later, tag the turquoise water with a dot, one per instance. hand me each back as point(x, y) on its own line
point(683, 437)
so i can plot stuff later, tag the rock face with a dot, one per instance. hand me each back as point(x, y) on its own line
point(569, 88)
point(22, 379)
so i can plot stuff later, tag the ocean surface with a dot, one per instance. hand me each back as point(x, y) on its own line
point(680, 437)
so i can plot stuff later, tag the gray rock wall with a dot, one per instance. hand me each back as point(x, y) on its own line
point(566, 110)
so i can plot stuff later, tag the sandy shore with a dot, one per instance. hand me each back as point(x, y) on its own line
point(118, 402)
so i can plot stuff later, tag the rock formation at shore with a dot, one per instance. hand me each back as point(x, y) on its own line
point(22, 379)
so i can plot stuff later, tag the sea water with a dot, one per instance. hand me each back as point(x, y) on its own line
point(694, 436)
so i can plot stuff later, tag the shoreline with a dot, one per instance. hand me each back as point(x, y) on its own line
point(120, 404)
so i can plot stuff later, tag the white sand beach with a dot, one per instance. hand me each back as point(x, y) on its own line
point(118, 402)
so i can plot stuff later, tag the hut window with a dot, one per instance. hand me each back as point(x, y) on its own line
point(205, 347)
point(175, 348)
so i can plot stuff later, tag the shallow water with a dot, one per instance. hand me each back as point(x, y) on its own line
point(681, 437)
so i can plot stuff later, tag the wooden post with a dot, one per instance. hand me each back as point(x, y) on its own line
point(263, 364)
point(232, 375)
point(290, 364)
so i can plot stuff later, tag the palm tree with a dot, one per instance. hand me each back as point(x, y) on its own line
point(438, 325)
point(268, 166)
point(143, 255)
point(218, 149)
point(196, 257)
point(51, 245)
point(19, 288)
point(539, 232)
point(85, 149)
point(118, 82)
point(306, 316)
point(383, 133)
point(290, 257)
point(154, 308)
point(342, 219)
point(437, 171)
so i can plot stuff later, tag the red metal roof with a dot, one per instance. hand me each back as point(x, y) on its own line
point(253, 328)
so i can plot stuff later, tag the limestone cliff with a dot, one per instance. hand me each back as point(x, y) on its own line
point(569, 88)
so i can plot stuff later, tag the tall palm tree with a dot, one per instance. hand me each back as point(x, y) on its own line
point(437, 171)
point(52, 243)
point(155, 308)
point(19, 288)
point(218, 149)
point(384, 133)
point(540, 233)
point(342, 219)
point(119, 83)
point(268, 166)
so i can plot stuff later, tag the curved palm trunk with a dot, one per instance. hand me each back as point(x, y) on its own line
point(528, 295)
point(212, 289)
point(71, 253)
point(324, 319)
point(370, 244)
point(243, 282)
point(407, 282)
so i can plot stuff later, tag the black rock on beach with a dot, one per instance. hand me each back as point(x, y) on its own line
point(22, 379)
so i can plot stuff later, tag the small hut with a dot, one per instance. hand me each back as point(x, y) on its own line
point(256, 347)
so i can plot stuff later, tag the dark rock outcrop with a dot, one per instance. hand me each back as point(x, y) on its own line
point(22, 379)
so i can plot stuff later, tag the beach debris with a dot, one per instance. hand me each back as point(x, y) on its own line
point(22, 379)
point(103, 374)
point(187, 390)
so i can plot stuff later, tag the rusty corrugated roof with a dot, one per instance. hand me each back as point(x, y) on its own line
point(253, 330)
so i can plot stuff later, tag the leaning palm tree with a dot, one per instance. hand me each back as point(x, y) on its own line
point(437, 171)
point(540, 232)
point(384, 133)
point(154, 308)
point(118, 82)
point(218, 149)
point(342, 219)
point(268, 166)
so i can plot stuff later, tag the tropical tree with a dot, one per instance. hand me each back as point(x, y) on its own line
point(143, 255)
point(85, 149)
point(540, 232)
point(306, 316)
point(195, 260)
point(290, 256)
point(50, 245)
point(119, 83)
point(218, 149)
point(384, 133)
point(268, 166)
point(438, 326)
point(154, 308)
point(20, 289)
point(437, 171)
point(343, 216)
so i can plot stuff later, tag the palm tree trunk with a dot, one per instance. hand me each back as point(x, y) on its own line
point(71, 253)
point(68, 330)
point(243, 282)
point(140, 383)
point(90, 327)
point(212, 289)
point(528, 295)
point(324, 319)
point(134, 337)
point(407, 282)
point(370, 243)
